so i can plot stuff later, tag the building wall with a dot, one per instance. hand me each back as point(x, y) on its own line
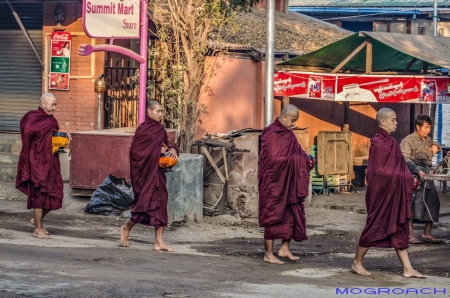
point(77, 108)
point(280, 5)
point(233, 95)
point(234, 99)
point(443, 27)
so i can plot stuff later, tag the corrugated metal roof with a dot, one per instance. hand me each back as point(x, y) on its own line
point(367, 3)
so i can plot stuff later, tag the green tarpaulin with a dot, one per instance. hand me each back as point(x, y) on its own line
point(391, 52)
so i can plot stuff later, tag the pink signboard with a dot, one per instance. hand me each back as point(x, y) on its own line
point(60, 49)
point(363, 88)
point(112, 18)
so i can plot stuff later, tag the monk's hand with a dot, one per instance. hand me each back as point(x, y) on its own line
point(172, 153)
point(163, 150)
point(421, 174)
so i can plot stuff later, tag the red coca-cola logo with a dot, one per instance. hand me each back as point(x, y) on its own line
point(64, 36)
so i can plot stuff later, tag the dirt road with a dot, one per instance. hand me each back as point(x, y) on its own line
point(221, 257)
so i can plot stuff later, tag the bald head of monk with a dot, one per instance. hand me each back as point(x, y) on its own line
point(155, 110)
point(288, 116)
point(48, 103)
point(387, 119)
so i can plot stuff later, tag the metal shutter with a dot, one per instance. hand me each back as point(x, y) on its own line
point(20, 71)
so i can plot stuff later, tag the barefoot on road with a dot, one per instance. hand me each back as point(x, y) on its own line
point(358, 269)
point(43, 229)
point(41, 235)
point(287, 254)
point(124, 233)
point(413, 273)
point(163, 247)
point(272, 259)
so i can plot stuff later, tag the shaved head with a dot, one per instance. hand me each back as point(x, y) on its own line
point(288, 116)
point(46, 97)
point(289, 110)
point(153, 103)
point(383, 114)
point(48, 103)
point(387, 119)
point(155, 110)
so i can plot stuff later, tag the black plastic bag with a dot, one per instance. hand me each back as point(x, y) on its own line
point(111, 197)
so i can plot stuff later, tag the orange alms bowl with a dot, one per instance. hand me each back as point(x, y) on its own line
point(59, 141)
point(166, 161)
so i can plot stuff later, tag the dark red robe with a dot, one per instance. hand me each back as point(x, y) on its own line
point(38, 170)
point(283, 184)
point(388, 196)
point(147, 178)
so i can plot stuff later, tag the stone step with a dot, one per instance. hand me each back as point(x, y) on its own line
point(9, 158)
point(10, 147)
point(10, 137)
point(8, 172)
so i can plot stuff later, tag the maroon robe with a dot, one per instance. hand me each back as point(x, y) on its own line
point(388, 197)
point(147, 178)
point(38, 170)
point(283, 184)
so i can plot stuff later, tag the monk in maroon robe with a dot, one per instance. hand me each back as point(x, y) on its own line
point(283, 185)
point(38, 170)
point(147, 178)
point(390, 185)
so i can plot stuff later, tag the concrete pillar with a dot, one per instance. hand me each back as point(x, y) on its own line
point(185, 187)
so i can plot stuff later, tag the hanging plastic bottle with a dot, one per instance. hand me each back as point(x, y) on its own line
point(64, 66)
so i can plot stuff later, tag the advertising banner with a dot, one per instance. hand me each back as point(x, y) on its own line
point(363, 88)
point(305, 85)
point(111, 18)
point(61, 44)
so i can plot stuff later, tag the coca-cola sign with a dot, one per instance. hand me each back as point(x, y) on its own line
point(61, 36)
point(60, 49)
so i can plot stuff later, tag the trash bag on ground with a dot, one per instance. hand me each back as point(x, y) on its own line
point(111, 197)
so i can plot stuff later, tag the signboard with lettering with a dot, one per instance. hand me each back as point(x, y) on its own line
point(111, 18)
point(363, 88)
point(61, 43)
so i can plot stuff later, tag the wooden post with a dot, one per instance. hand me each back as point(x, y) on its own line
point(349, 57)
point(346, 126)
point(410, 64)
point(369, 56)
point(285, 101)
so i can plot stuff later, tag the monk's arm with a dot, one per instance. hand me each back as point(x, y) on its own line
point(406, 148)
point(171, 145)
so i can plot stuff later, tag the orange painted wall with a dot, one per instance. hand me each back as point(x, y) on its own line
point(77, 108)
point(233, 95)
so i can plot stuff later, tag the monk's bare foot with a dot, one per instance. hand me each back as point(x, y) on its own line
point(40, 234)
point(413, 273)
point(359, 269)
point(272, 259)
point(163, 247)
point(124, 233)
point(43, 229)
point(287, 254)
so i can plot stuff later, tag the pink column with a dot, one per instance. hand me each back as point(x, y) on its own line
point(143, 65)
